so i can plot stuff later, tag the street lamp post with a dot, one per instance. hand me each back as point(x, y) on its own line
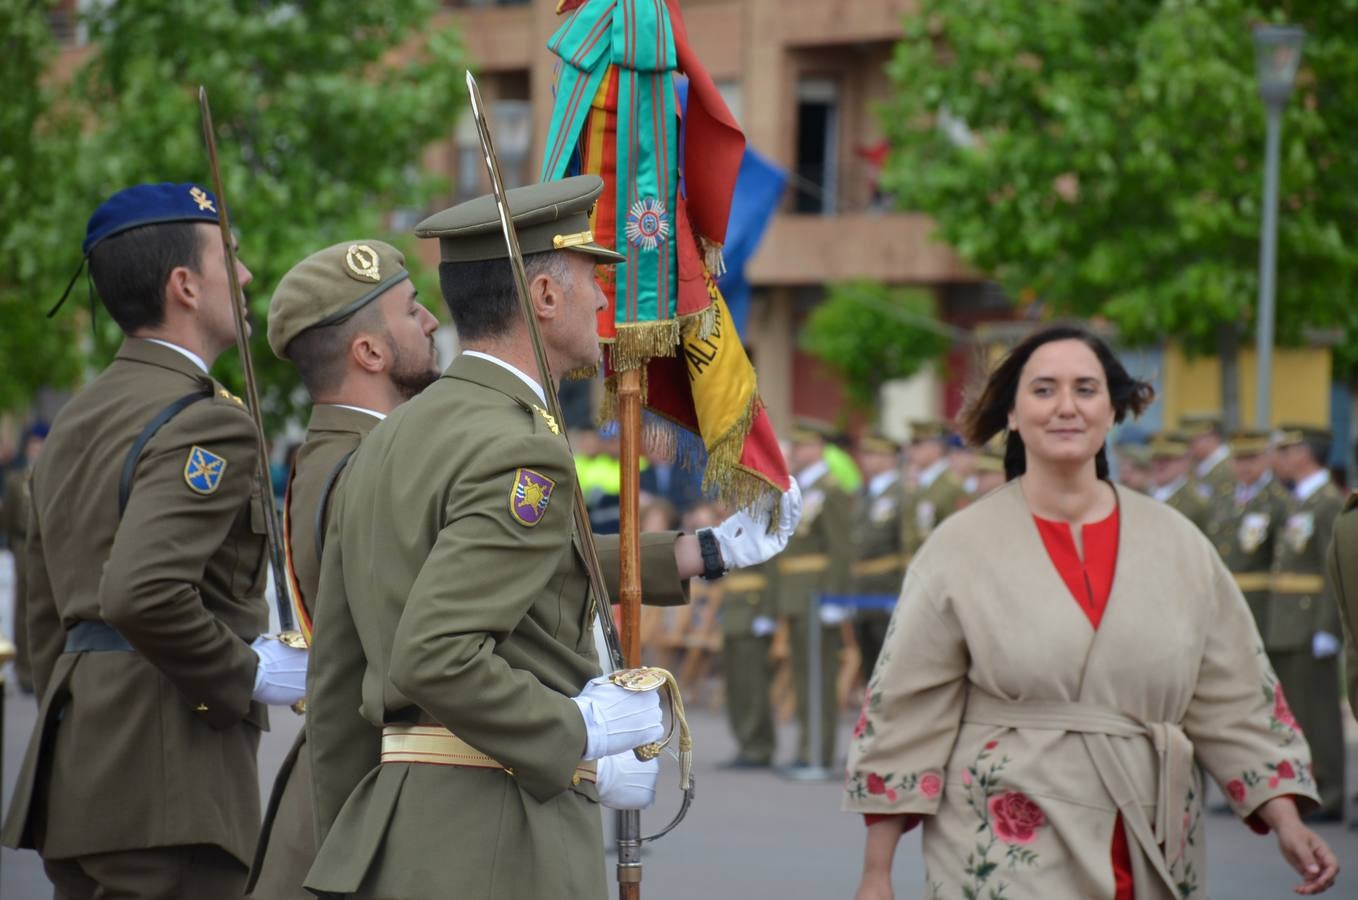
point(1277, 51)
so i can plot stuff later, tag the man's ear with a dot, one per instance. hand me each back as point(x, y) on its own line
point(369, 353)
point(182, 289)
point(546, 295)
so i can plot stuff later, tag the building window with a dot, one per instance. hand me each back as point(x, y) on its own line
point(817, 146)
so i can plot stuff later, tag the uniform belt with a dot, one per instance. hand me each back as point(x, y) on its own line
point(880, 565)
point(744, 581)
point(437, 746)
point(91, 635)
point(1297, 583)
point(1253, 581)
point(800, 565)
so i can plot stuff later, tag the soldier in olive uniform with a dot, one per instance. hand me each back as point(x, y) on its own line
point(938, 492)
point(990, 467)
point(348, 319)
point(1302, 635)
point(815, 563)
point(1170, 485)
point(1134, 466)
point(1209, 456)
point(146, 570)
point(747, 626)
point(879, 553)
point(1246, 529)
point(14, 522)
point(1343, 572)
point(454, 616)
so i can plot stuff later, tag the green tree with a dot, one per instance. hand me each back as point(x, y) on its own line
point(1107, 157)
point(320, 129)
point(870, 334)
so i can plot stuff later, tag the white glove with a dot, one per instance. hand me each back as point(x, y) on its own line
point(1324, 645)
point(833, 613)
point(618, 719)
point(764, 626)
point(626, 782)
point(280, 679)
point(745, 539)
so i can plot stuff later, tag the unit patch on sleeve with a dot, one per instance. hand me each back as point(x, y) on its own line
point(203, 470)
point(529, 496)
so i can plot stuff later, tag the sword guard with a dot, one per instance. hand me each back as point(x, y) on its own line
point(291, 639)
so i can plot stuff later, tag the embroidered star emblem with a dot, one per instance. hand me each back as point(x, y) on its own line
point(202, 199)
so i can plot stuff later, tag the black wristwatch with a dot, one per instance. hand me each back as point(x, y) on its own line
point(712, 564)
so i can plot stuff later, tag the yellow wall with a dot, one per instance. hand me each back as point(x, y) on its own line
point(1301, 385)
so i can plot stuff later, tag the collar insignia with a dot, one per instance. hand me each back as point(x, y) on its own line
point(548, 418)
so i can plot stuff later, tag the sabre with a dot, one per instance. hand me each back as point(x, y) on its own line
point(629, 821)
point(288, 633)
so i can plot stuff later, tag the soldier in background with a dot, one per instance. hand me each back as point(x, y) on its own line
point(990, 467)
point(14, 522)
point(962, 462)
point(1245, 528)
point(1170, 467)
point(1134, 467)
point(879, 553)
point(747, 626)
point(1211, 473)
point(1302, 637)
point(816, 561)
point(348, 320)
point(938, 493)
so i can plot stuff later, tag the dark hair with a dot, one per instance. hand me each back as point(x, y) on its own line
point(481, 296)
point(318, 354)
point(986, 414)
point(1319, 448)
point(130, 270)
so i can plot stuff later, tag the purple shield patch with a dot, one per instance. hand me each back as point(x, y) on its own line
point(528, 499)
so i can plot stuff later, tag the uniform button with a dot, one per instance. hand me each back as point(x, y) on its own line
point(201, 707)
point(575, 779)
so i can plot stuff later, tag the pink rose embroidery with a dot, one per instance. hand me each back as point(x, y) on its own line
point(1236, 789)
point(991, 745)
point(862, 724)
point(1281, 711)
point(891, 794)
point(875, 784)
point(1273, 782)
point(1285, 770)
point(1015, 818)
point(930, 785)
point(966, 777)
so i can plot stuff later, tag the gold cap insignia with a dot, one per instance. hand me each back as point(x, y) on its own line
point(363, 261)
point(201, 198)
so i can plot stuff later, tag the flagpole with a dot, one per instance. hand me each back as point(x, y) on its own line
point(629, 595)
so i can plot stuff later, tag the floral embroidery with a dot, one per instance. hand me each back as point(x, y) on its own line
point(863, 727)
point(1182, 869)
point(1235, 789)
point(1007, 817)
point(1274, 774)
point(929, 784)
point(1280, 718)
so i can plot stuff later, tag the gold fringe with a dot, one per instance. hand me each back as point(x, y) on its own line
point(639, 342)
point(712, 257)
point(584, 373)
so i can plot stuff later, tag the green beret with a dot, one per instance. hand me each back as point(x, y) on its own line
point(553, 215)
point(1196, 424)
point(1169, 445)
point(1250, 441)
point(330, 286)
point(928, 430)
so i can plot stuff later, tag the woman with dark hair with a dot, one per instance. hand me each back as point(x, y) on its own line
point(1040, 706)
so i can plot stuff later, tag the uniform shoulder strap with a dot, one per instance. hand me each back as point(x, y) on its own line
point(134, 452)
point(323, 505)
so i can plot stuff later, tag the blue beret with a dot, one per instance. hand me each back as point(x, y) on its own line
point(149, 204)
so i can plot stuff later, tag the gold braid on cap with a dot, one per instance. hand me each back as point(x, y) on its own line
point(564, 241)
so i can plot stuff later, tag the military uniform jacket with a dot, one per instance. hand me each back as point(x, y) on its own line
point(1246, 536)
point(819, 554)
point(1303, 602)
point(1020, 733)
point(452, 591)
point(154, 747)
point(332, 434)
point(14, 509)
point(1190, 503)
point(1343, 572)
point(746, 595)
point(879, 540)
point(929, 506)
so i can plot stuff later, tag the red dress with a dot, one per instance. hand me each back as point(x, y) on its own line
point(1090, 580)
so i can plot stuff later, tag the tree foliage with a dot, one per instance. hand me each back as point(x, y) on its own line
point(1107, 157)
point(870, 334)
point(320, 129)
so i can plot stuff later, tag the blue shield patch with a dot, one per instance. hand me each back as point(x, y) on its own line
point(203, 470)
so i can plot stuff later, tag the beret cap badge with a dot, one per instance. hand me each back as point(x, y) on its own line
point(201, 197)
point(363, 262)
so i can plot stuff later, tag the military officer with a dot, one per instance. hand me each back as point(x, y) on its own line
point(990, 468)
point(347, 317)
point(747, 625)
point(1170, 468)
point(1134, 466)
point(816, 563)
point(1209, 456)
point(1302, 636)
point(1343, 572)
point(146, 570)
point(454, 616)
point(938, 491)
point(1245, 531)
point(879, 555)
point(14, 522)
